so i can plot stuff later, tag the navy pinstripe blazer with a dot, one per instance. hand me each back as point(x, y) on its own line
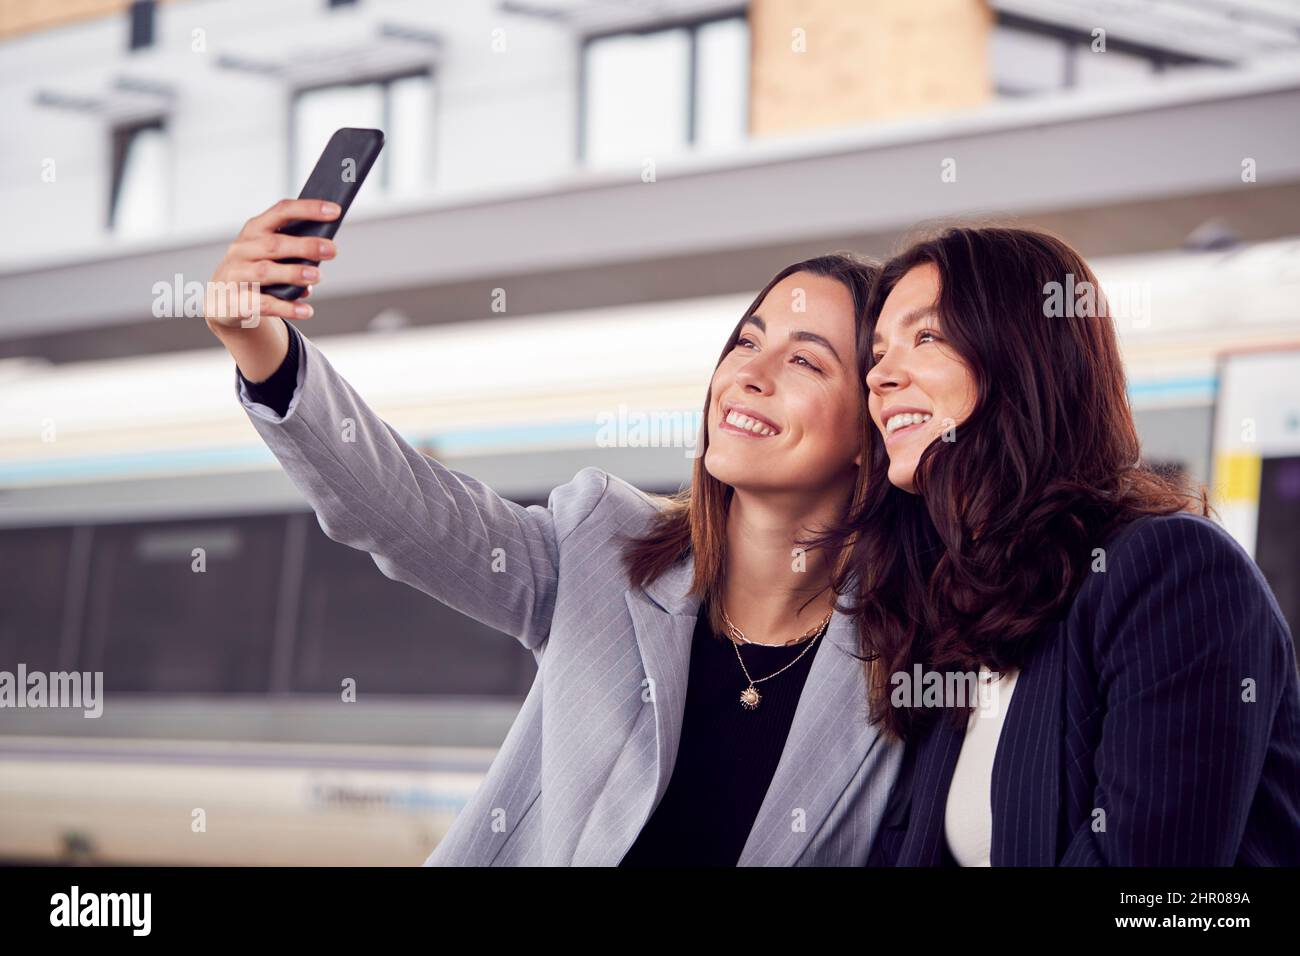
point(1133, 737)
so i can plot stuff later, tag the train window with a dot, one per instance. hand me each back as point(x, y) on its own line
point(1277, 542)
point(391, 638)
point(184, 606)
point(34, 610)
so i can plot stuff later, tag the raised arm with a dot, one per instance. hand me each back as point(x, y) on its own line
point(438, 530)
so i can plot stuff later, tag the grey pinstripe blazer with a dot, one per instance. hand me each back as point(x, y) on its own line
point(592, 749)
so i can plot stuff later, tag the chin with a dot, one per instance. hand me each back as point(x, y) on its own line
point(902, 477)
point(719, 467)
point(747, 476)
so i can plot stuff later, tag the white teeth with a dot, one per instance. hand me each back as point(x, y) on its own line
point(895, 422)
point(749, 424)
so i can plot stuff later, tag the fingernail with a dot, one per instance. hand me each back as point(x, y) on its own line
point(302, 309)
point(329, 208)
point(309, 273)
point(324, 248)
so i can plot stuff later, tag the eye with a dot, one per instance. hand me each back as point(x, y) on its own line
point(744, 342)
point(807, 363)
point(925, 335)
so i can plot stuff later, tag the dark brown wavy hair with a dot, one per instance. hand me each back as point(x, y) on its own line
point(694, 520)
point(996, 541)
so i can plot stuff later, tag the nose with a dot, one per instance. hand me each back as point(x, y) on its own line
point(887, 375)
point(756, 376)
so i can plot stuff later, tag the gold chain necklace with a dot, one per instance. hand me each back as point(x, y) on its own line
point(750, 697)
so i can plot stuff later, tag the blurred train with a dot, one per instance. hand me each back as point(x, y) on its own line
point(227, 736)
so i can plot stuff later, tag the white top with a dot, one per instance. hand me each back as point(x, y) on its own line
point(968, 816)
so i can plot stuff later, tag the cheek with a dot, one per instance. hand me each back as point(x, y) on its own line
point(722, 377)
point(841, 430)
point(874, 404)
point(972, 392)
point(952, 387)
point(964, 394)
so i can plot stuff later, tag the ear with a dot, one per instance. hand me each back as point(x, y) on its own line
point(857, 460)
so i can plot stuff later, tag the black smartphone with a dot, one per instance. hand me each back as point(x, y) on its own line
point(339, 173)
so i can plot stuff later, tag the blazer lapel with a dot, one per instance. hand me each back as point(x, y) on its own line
point(663, 622)
point(663, 618)
point(935, 760)
point(1024, 793)
point(1026, 768)
point(830, 736)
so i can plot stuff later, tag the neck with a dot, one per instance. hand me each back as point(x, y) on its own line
point(772, 594)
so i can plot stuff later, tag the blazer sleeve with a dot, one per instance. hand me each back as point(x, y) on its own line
point(1193, 659)
point(428, 526)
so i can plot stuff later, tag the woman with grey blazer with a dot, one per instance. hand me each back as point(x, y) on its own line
point(698, 698)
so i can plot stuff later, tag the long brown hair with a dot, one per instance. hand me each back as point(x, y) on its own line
point(693, 522)
point(998, 538)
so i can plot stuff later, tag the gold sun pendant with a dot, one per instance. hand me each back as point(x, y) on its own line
point(749, 697)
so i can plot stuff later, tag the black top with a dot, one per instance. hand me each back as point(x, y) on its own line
point(726, 755)
point(276, 391)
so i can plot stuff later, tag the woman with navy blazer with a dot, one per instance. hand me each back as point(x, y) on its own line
point(1085, 672)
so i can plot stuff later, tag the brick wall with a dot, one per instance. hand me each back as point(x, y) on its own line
point(864, 59)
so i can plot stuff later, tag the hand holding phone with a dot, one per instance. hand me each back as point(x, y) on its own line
point(337, 178)
point(251, 262)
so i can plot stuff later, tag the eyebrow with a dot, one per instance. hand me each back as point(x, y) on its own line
point(799, 335)
point(909, 320)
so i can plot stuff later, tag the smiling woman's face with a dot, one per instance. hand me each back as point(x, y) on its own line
point(919, 386)
point(785, 401)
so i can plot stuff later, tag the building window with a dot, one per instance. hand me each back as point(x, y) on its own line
point(1112, 68)
point(1027, 58)
point(1026, 62)
point(142, 14)
point(401, 106)
point(139, 202)
point(721, 92)
point(659, 91)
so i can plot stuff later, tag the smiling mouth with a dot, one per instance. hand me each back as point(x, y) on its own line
point(734, 421)
point(904, 422)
